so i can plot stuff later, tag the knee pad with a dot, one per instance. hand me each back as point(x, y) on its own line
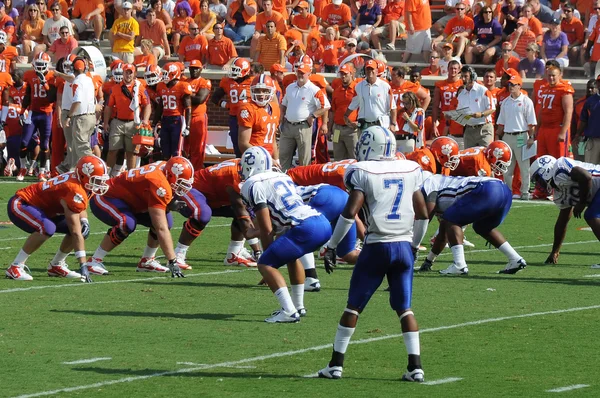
point(116, 235)
point(193, 227)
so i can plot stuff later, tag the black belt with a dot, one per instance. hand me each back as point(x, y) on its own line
point(363, 124)
point(516, 132)
point(406, 137)
point(476, 125)
point(297, 123)
point(85, 114)
point(124, 120)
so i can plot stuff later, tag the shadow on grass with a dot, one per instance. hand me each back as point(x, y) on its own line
point(499, 277)
point(208, 317)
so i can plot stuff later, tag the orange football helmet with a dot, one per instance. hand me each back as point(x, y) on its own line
point(92, 173)
point(400, 156)
point(258, 94)
point(41, 63)
point(240, 67)
point(381, 69)
point(153, 75)
point(304, 60)
point(180, 174)
point(499, 155)
point(445, 150)
point(116, 70)
point(171, 72)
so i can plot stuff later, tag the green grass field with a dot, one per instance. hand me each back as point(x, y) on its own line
point(148, 335)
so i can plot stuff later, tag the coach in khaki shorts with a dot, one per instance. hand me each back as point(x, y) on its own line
point(344, 137)
point(302, 104)
point(127, 99)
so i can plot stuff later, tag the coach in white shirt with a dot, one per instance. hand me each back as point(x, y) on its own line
point(374, 102)
point(82, 114)
point(479, 130)
point(302, 104)
point(516, 123)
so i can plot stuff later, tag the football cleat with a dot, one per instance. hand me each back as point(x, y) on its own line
point(466, 243)
point(96, 267)
point(182, 263)
point(22, 173)
point(454, 270)
point(150, 265)
point(514, 266)
point(331, 372)
point(302, 312)
point(42, 177)
point(61, 270)
point(281, 316)
point(425, 267)
point(244, 253)
point(235, 260)
point(9, 168)
point(18, 273)
point(416, 375)
point(312, 285)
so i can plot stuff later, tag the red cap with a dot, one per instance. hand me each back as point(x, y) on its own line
point(511, 72)
point(346, 68)
point(277, 68)
point(303, 4)
point(515, 79)
point(371, 64)
point(79, 65)
point(196, 64)
point(305, 68)
point(128, 67)
point(449, 45)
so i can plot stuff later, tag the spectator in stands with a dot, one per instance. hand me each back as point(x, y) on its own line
point(417, 16)
point(434, 65)
point(122, 35)
point(509, 16)
point(486, 40)
point(169, 7)
point(304, 22)
point(541, 12)
point(349, 51)
point(295, 52)
point(343, 136)
point(162, 14)
point(181, 23)
point(369, 17)
point(315, 51)
point(63, 46)
point(147, 56)
point(154, 29)
point(457, 31)
point(446, 58)
point(522, 37)
point(559, 13)
point(450, 10)
point(44, 12)
point(193, 46)
point(555, 45)
point(533, 23)
point(573, 28)
point(507, 60)
point(206, 20)
point(6, 23)
point(31, 30)
point(52, 26)
point(532, 66)
point(220, 49)
point(241, 20)
point(337, 15)
point(331, 48)
point(479, 130)
point(588, 131)
point(261, 24)
point(12, 11)
point(219, 9)
point(271, 47)
point(393, 25)
point(414, 124)
point(89, 14)
point(364, 48)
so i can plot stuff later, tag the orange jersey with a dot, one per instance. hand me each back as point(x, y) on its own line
point(551, 110)
point(17, 93)
point(47, 195)
point(38, 93)
point(6, 58)
point(331, 173)
point(98, 82)
point(142, 188)
point(198, 84)
point(473, 163)
point(238, 93)
point(13, 126)
point(172, 97)
point(264, 122)
point(424, 157)
point(448, 92)
point(538, 86)
point(337, 15)
point(214, 180)
point(317, 55)
point(180, 24)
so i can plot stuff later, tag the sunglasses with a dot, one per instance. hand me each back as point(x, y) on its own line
point(529, 50)
point(41, 4)
point(33, 10)
point(55, 9)
point(217, 28)
point(64, 33)
point(488, 12)
point(460, 9)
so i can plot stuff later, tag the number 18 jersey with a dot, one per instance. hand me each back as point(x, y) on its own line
point(277, 192)
point(388, 187)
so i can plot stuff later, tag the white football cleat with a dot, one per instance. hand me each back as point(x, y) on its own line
point(183, 265)
point(9, 168)
point(96, 267)
point(416, 375)
point(235, 260)
point(17, 272)
point(244, 253)
point(312, 285)
point(331, 372)
point(514, 266)
point(150, 265)
point(466, 243)
point(454, 270)
point(281, 316)
point(61, 270)
point(21, 175)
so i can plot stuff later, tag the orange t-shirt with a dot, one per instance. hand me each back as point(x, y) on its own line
point(214, 180)
point(551, 110)
point(193, 48)
point(310, 22)
point(424, 157)
point(235, 6)
point(574, 30)
point(330, 51)
point(340, 99)
point(513, 62)
point(47, 195)
point(220, 51)
point(264, 122)
point(6, 57)
point(473, 163)
point(172, 98)
point(331, 173)
point(459, 25)
point(319, 6)
point(237, 93)
point(141, 188)
point(595, 38)
point(393, 11)
point(420, 12)
point(317, 56)
point(83, 7)
point(535, 26)
point(281, 7)
point(181, 24)
point(337, 15)
point(262, 19)
point(427, 72)
point(144, 60)
point(39, 95)
point(197, 85)
point(120, 103)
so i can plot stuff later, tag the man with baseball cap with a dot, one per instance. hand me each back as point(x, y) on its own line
point(374, 102)
point(122, 34)
point(344, 136)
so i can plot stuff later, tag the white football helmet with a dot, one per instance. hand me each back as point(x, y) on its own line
point(542, 168)
point(255, 160)
point(3, 38)
point(376, 143)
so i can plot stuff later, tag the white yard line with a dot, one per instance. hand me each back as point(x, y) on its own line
point(91, 360)
point(77, 284)
point(581, 242)
point(441, 381)
point(203, 364)
point(592, 276)
point(297, 352)
point(568, 388)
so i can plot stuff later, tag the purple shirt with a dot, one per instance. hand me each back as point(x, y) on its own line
point(532, 69)
point(368, 16)
point(511, 25)
point(553, 46)
point(485, 32)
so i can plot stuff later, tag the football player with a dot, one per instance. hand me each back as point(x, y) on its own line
point(331, 173)
point(7, 54)
point(13, 128)
point(445, 91)
point(142, 196)
point(196, 141)
point(280, 211)
point(576, 185)
point(57, 205)
point(174, 108)
point(424, 158)
point(388, 190)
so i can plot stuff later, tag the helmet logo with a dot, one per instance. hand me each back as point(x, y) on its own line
point(87, 169)
point(498, 153)
point(245, 64)
point(250, 159)
point(173, 68)
point(177, 169)
point(446, 149)
point(77, 198)
point(544, 160)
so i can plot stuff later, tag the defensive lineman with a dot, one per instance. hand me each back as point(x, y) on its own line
point(388, 191)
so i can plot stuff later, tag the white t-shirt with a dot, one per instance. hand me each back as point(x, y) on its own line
point(51, 28)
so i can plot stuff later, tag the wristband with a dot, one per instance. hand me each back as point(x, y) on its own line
point(80, 253)
point(253, 241)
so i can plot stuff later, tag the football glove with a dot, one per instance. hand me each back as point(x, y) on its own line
point(85, 228)
point(85, 274)
point(175, 270)
point(185, 132)
point(330, 259)
point(42, 78)
point(177, 205)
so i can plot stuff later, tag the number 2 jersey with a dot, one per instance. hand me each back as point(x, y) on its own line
point(331, 173)
point(566, 193)
point(388, 187)
point(277, 192)
point(47, 195)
